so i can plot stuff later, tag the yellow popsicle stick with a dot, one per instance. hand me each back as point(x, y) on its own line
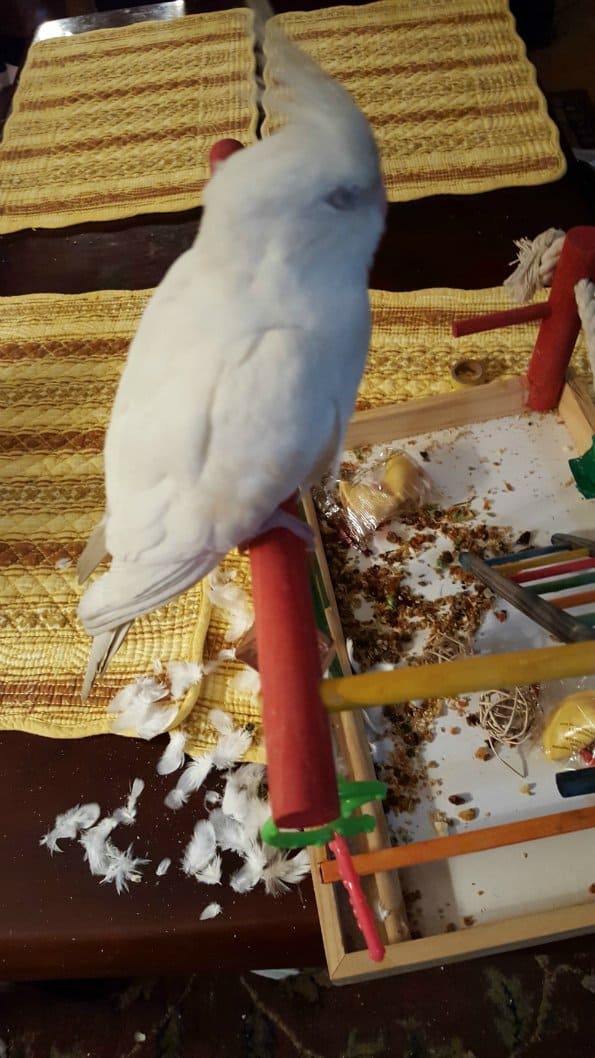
point(544, 560)
point(463, 675)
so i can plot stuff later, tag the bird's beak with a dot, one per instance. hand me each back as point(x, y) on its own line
point(382, 200)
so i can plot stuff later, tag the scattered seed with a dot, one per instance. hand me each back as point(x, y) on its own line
point(469, 814)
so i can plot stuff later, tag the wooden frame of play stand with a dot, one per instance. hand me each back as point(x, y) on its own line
point(347, 958)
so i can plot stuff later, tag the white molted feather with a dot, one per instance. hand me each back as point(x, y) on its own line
point(190, 780)
point(241, 800)
point(183, 675)
point(229, 832)
point(201, 848)
point(68, 824)
point(98, 849)
point(136, 708)
point(281, 871)
point(221, 721)
point(236, 604)
point(231, 748)
point(210, 911)
point(173, 755)
point(246, 681)
point(163, 867)
point(195, 773)
point(123, 868)
point(252, 872)
point(175, 799)
point(211, 874)
point(381, 911)
point(127, 813)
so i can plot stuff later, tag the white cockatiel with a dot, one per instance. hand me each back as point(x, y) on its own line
point(242, 376)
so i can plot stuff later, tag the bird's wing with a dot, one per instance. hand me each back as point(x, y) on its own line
point(205, 476)
point(272, 423)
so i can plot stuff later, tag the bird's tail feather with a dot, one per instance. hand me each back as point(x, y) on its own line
point(94, 553)
point(103, 648)
point(127, 591)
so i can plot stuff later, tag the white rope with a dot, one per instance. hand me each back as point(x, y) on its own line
point(536, 262)
point(584, 293)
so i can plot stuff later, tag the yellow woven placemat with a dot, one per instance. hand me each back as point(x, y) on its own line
point(446, 85)
point(412, 349)
point(60, 360)
point(118, 122)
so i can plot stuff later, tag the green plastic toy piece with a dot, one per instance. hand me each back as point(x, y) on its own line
point(583, 471)
point(352, 795)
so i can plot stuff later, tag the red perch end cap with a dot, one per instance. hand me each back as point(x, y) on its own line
point(221, 150)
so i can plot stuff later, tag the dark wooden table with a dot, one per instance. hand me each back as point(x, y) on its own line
point(55, 920)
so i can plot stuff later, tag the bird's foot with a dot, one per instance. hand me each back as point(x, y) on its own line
point(281, 519)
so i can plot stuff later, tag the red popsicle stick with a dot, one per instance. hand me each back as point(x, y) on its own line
point(552, 571)
point(559, 331)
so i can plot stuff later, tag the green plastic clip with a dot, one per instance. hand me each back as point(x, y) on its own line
point(583, 470)
point(352, 795)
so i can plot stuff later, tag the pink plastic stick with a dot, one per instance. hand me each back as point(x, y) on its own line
point(359, 904)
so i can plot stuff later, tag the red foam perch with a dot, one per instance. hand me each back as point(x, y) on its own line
point(301, 770)
point(222, 150)
point(559, 331)
point(492, 321)
point(546, 572)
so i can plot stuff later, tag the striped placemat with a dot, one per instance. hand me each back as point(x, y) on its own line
point(412, 349)
point(117, 122)
point(447, 87)
point(60, 360)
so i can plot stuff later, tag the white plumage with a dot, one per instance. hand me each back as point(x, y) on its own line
point(242, 376)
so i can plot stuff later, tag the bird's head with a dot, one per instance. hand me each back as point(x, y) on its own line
point(317, 182)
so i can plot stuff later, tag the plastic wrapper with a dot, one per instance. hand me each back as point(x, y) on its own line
point(372, 496)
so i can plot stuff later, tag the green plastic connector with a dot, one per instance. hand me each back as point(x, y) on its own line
point(352, 795)
point(583, 470)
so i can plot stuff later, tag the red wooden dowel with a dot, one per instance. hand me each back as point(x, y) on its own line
point(492, 321)
point(301, 769)
point(559, 331)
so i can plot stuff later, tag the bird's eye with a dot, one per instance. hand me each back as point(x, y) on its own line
point(343, 198)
